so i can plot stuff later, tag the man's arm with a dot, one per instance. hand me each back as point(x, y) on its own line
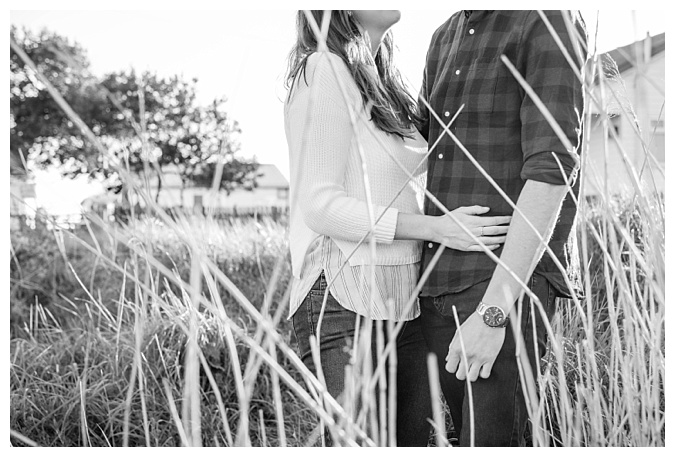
point(550, 76)
point(540, 203)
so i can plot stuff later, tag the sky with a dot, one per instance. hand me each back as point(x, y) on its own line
point(241, 54)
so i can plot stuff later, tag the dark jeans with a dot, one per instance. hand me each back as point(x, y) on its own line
point(413, 403)
point(500, 415)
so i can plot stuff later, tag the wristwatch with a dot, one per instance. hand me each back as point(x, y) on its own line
point(493, 315)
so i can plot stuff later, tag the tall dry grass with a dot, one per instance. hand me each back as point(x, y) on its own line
point(172, 331)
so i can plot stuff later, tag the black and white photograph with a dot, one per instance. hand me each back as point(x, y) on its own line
point(270, 227)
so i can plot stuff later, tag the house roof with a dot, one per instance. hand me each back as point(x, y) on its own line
point(625, 56)
point(269, 176)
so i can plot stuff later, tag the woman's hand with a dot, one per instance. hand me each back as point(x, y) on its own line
point(488, 229)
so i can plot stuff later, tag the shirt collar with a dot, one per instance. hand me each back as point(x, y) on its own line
point(475, 15)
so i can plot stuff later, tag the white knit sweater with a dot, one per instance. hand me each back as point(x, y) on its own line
point(327, 189)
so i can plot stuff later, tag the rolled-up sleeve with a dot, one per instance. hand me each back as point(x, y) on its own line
point(549, 74)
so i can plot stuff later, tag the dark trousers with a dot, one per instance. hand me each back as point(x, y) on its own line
point(413, 403)
point(500, 415)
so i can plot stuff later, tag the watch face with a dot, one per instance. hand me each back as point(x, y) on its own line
point(494, 316)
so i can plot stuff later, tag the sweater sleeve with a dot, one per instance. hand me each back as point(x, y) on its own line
point(326, 136)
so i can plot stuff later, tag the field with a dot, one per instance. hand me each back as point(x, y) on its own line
point(101, 352)
point(70, 346)
point(172, 331)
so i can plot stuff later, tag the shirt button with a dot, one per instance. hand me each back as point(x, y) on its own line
point(457, 72)
point(471, 31)
point(447, 114)
point(440, 156)
point(431, 245)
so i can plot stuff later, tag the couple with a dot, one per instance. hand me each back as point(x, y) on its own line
point(348, 111)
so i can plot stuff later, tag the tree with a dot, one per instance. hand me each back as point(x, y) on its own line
point(176, 133)
point(38, 127)
point(146, 122)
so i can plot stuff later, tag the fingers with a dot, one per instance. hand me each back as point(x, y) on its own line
point(472, 374)
point(494, 230)
point(461, 371)
point(473, 210)
point(452, 361)
point(474, 370)
point(491, 230)
point(479, 248)
point(490, 242)
point(493, 220)
point(486, 370)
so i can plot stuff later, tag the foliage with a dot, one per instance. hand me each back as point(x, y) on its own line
point(174, 133)
point(38, 126)
point(47, 267)
point(615, 341)
point(146, 121)
point(52, 367)
point(60, 342)
point(52, 358)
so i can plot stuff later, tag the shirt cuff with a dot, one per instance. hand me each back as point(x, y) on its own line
point(544, 167)
point(385, 229)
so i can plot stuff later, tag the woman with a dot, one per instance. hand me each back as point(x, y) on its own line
point(348, 111)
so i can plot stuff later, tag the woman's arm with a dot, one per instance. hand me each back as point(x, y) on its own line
point(444, 230)
point(319, 115)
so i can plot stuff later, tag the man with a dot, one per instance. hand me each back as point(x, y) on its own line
point(507, 134)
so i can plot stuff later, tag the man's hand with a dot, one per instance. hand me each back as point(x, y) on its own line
point(539, 203)
point(482, 345)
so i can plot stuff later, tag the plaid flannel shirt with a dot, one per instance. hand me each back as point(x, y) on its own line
point(502, 128)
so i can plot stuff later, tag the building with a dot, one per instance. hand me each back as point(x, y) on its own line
point(271, 192)
point(631, 89)
point(21, 192)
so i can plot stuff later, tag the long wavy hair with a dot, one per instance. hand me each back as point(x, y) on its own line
point(393, 109)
